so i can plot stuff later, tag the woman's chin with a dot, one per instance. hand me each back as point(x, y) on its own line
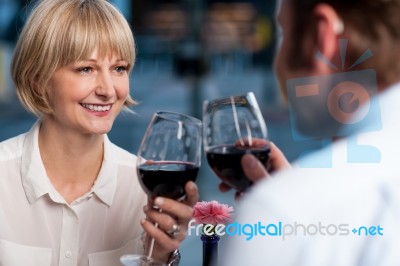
point(100, 128)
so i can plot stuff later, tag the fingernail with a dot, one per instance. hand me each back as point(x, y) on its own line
point(158, 202)
point(142, 221)
point(145, 208)
point(191, 185)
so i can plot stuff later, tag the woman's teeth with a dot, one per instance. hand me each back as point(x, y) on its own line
point(96, 108)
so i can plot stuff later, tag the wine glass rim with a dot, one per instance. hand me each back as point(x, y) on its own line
point(249, 94)
point(179, 116)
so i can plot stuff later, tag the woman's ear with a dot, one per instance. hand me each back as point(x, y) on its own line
point(328, 29)
point(35, 85)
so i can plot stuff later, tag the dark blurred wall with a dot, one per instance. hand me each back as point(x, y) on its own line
point(10, 33)
point(141, 8)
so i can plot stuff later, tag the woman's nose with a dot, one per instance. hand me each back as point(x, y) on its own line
point(105, 85)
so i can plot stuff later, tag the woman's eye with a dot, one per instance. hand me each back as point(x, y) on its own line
point(121, 69)
point(85, 70)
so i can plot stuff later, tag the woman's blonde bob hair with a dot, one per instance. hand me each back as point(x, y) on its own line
point(60, 32)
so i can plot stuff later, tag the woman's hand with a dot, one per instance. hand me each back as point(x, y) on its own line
point(256, 171)
point(172, 222)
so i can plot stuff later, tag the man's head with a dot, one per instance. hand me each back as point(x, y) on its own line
point(309, 26)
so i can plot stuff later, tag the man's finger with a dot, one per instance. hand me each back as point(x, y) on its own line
point(224, 187)
point(277, 160)
point(253, 168)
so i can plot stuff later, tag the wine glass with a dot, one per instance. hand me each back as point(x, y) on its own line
point(169, 156)
point(234, 126)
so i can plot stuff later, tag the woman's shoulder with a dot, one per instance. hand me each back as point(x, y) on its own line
point(12, 147)
point(121, 156)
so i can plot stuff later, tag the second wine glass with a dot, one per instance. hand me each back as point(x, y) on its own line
point(169, 156)
point(234, 126)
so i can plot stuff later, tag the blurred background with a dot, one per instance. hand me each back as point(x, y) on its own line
point(188, 51)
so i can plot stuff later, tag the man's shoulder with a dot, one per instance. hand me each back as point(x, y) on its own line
point(351, 192)
point(299, 209)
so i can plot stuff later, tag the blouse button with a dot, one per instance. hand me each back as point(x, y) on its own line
point(68, 254)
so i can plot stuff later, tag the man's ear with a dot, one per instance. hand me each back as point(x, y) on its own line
point(328, 29)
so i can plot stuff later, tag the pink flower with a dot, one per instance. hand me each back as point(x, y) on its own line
point(212, 212)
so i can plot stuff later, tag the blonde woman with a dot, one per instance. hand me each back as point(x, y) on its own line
point(68, 196)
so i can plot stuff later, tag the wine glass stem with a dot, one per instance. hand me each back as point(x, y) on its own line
point(151, 247)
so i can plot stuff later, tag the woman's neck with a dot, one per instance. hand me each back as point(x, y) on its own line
point(72, 160)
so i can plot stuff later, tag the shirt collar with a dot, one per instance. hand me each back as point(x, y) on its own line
point(106, 182)
point(35, 180)
point(34, 177)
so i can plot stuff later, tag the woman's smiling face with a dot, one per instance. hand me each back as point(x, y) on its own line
point(86, 96)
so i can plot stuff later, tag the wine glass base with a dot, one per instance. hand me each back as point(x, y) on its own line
point(140, 260)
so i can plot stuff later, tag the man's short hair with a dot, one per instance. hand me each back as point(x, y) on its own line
point(369, 24)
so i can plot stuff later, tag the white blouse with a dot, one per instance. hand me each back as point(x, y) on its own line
point(38, 227)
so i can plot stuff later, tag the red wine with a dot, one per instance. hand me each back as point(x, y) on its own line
point(225, 162)
point(167, 179)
